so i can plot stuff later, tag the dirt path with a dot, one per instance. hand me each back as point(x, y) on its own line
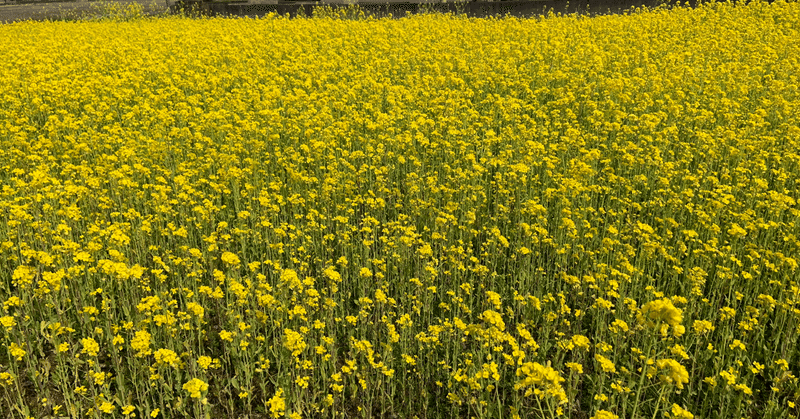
point(11, 12)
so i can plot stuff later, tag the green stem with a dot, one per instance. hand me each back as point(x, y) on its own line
point(641, 379)
point(658, 402)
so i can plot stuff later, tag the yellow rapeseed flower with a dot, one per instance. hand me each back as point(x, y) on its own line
point(195, 387)
point(604, 414)
point(277, 404)
point(662, 311)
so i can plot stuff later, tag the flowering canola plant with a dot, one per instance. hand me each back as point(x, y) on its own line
point(431, 216)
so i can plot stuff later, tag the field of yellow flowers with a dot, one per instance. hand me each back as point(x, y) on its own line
point(426, 217)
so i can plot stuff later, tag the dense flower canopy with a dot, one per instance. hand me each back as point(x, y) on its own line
point(431, 216)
